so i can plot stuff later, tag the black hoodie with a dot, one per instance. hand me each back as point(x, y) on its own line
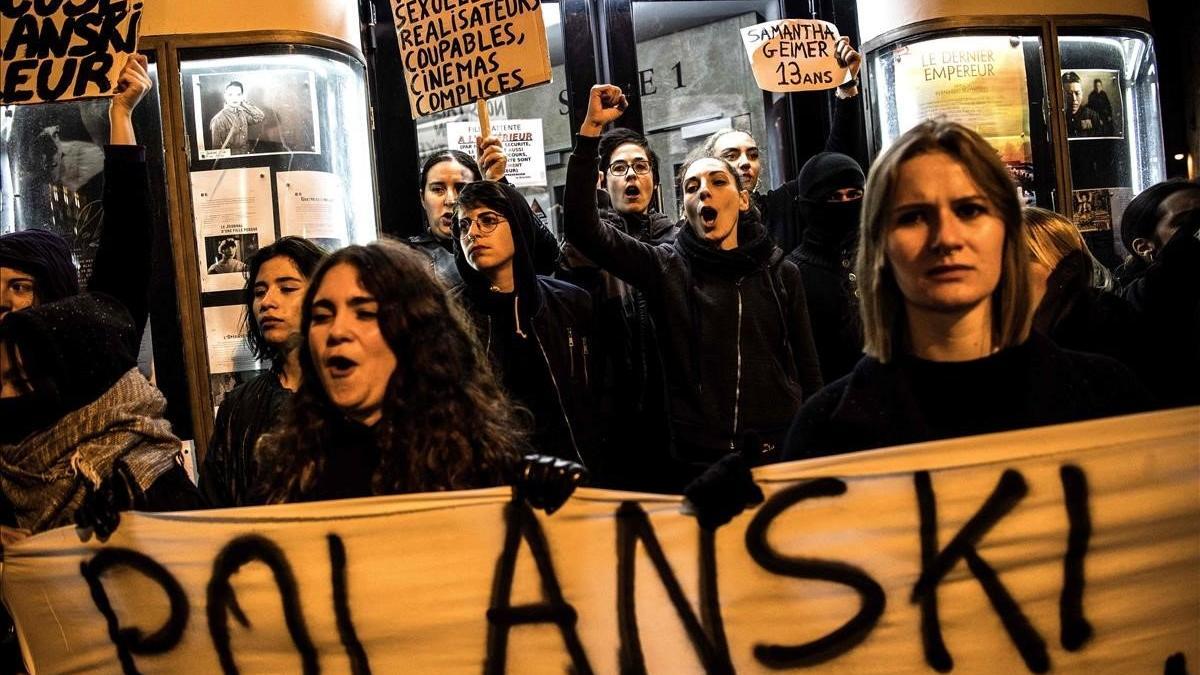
point(733, 325)
point(537, 338)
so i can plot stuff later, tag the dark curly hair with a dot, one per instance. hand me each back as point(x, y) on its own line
point(446, 425)
point(305, 254)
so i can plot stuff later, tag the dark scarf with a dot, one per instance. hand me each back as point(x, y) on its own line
point(753, 251)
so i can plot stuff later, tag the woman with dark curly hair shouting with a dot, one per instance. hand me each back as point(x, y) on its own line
point(396, 395)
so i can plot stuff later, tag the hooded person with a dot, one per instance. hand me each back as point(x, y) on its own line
point(535, 329)
point(35, 267)
point(82, 427)
point(730, 311)
point(830, 188)
point(631, 408)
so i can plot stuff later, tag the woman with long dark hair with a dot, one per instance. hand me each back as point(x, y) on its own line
point(396, 395)
point(276, 283)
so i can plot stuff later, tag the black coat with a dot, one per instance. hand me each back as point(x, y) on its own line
point(247, 412)
point(629, 387)
point(537, 339)
point(1165, 297)
point(441, 257)
point(910, 400)
point(733, 325)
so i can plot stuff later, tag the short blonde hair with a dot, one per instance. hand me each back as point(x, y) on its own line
point(881, 305)
point(1049, 236)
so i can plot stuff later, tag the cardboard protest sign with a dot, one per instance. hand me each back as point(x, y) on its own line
point(1067, 549)
point(521, 141)
point(794, 55)
point(455, 52)
point(59, 50)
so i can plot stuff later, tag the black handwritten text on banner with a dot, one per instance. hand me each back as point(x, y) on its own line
point(459, 51)
point(1060, 549)
point(57, 50)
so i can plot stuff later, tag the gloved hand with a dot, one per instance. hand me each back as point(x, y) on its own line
point(101, 509)
point(545, 482)
point(723, 491)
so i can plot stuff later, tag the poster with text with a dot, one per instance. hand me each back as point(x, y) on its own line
point(1092, 209)
point(230, 361)
point(978, 81)
point(794, 55)
point(268, 111)
point(1093, 103)
point(312, 205)
point(234, 218)
point(59, 51)
point(522, 143)
point(455, 53)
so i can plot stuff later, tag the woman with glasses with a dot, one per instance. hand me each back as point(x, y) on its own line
point(943, 279)
point(535, 329)
point(632, 410)
point(731, 314)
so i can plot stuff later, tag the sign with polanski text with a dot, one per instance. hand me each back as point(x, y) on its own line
point(1061, 549)
point(794, 55)
point(456, 52)
point(60, 50)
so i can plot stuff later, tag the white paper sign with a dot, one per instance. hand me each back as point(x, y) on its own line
point(234, 218)
point(228, 351)
point(312, 205)
point(521, 140)
point(794, 55)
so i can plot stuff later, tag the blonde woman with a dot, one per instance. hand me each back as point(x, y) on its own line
point(943, 277)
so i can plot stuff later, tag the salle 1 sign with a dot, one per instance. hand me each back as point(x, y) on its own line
point(1068, 548)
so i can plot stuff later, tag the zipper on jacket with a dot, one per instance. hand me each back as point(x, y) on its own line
point(737, 386)
point(571, 350)
point(558, 394)
point(585, 361)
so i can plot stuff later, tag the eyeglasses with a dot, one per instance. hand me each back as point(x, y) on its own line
point(640, 167)
point(487, 223)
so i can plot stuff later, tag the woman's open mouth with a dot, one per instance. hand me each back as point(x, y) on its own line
point(708, 215)
point(632, 192)
point(339, 366)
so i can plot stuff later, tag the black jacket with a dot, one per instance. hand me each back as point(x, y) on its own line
point(910, 400)
point(1165, 297)
point(733, 325)
point(441, 257)
point(247, 412)
point(630, 389)
point(537, 339)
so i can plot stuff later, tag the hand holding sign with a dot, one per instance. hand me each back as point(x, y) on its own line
point(606, 104)
point(492, 159)
point(132, 85)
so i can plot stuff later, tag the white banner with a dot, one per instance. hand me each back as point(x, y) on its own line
point(521, 141)
point(1065, 549)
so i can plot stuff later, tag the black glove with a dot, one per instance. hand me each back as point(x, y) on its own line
point(101, 509)
point(545, 482)
point(723, 491)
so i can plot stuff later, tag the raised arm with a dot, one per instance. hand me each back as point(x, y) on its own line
point(122, 265)
point(631, 260)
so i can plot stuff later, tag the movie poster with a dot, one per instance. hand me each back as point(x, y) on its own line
point(1093, 103)
point(255, 112)
point(234, 217)
point(978, 81)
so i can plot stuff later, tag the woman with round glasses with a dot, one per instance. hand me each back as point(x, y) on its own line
point(943, 281)
point(535, 329)
point(736, 344)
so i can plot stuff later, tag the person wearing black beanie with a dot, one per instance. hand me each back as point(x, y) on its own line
point(35, 266)
point(81, 425)
point(830, 197)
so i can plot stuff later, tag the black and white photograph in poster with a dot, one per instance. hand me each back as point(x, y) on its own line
point(227, 254)
point(255, 112)
point(1093, 103)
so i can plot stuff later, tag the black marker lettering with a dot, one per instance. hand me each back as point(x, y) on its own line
point(1075, 628)
point(521, 523)
point(359, 665)
point(707, 638)
point(870, 592)
point(131, 640)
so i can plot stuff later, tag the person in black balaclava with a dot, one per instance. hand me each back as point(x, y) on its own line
point(535, 329)
point(831, 189)
point(35, 266)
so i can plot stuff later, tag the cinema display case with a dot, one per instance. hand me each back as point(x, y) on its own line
point(299, 161)
point(1068, 100)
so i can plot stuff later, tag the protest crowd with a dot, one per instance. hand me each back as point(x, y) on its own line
point(849, 308)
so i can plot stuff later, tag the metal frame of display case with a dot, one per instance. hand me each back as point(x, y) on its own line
point(1048, 29)
point(166, 49)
